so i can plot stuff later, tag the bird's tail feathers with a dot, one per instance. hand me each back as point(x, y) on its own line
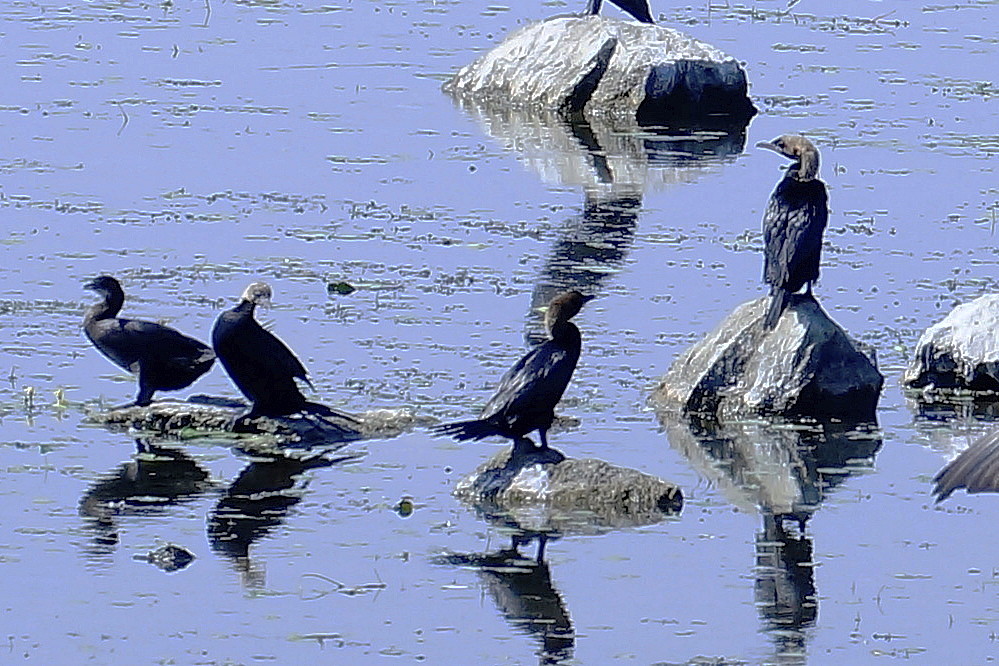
point(779, 300)
point(467, 430)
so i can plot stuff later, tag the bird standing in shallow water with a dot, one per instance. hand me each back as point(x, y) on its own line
point(527, 394)
point(257, 361)
point(638, 8)
point(162, 358)
point(793, 224)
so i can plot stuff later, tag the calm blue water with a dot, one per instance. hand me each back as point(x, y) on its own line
point(190, 148)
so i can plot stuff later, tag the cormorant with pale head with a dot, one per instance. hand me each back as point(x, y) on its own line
point(258, 362)
point(793, 224)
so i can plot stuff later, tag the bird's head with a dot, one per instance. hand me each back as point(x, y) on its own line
point(799, 149)
point(564, 307)
point(104, 284)
point(258, 293)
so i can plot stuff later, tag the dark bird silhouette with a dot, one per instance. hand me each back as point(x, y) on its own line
point(162, 358)
point(638, 8)
point(527, 394)
point(976, 469)
point(793, 224)
point(257, 361)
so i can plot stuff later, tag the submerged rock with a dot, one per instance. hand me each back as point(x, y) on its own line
point(168, 557)
point(959, 353)
point(204, 416)
point(543, 491)
point(807, 366)
point(600, 65)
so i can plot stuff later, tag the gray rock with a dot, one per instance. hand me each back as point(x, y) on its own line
point(545, 492)
point(961, 351)
point(168, 557)
point(219, 419)
point(807, 366)
point(598, 65)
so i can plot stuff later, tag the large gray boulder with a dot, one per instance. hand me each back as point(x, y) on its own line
point(543, 491)
point(599, 65)
point(807, 366)
point(961, 352)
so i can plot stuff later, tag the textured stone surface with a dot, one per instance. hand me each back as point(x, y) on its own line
point(600, 65)
point(172, 419)
point(961, 351)
point(807, 366)
point(570, 495)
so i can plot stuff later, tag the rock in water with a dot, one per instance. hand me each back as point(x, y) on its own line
point(961, 351)
point(807, 366)
point(545, 491)
point(606, 66)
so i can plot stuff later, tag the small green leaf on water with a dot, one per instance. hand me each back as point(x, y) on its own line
point(339, 289)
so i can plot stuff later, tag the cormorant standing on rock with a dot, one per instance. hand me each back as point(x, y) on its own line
point(638, 8)
point(257, 361)
point(793, 224)
point(162, 358)
point(527, 394)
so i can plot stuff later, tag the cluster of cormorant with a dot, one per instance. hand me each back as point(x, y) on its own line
point(265, 370)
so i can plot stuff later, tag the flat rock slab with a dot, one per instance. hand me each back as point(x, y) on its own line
point(807, 366)
point(543, 493)
point(188, 420)
point(959, 353)
point(600, 65)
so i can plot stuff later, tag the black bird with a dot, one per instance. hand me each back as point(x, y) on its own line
point(793, 224)
point(162, 358)
point(638, 8)
point(976, 469)
point(527, 394)
point(257, 361)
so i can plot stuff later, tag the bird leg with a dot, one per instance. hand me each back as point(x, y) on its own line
point(593, 7)
point(543, 435)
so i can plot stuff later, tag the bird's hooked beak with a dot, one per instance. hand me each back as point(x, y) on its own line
point(769, 145)
point(91, 285)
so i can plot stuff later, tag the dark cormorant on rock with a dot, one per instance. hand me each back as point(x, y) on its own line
point(162, 358)
point(257, 361)
point(638, 8)
point(527, 394)
point(793, 225)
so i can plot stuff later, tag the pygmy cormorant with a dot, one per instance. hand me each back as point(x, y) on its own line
point(527, 394)
point(162, 358)
point(257, 361)
point(793, 224)
point(638, 8)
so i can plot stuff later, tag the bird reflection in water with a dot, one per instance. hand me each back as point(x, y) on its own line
point(257, 502)
point(522, 589)
point(157, 477)
point(784, 474)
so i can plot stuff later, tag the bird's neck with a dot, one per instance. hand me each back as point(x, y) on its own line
point(106, 309)
point(246, 307)
point(806, 168)
point(565, 333)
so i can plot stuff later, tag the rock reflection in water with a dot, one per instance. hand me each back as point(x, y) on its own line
point(523, 591)
point(155, 478)
point(257, 502)
point(783, 472)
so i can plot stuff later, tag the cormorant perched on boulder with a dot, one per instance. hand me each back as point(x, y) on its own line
point(793, 224)
point(162, 358)
point(258, 362)
point(638, 8)
point(527, 394)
